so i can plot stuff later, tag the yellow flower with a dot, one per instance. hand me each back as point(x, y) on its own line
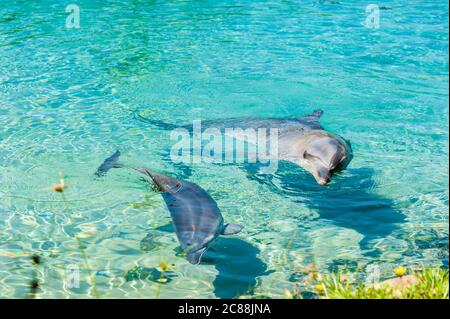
point(400, 271)
point(164, 266)
point(288, 294)
point(162, 280)
point(319, 288)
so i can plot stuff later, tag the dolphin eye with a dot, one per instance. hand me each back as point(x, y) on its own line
point(306, 155)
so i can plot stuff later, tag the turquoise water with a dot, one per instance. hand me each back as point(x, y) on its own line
point(68, 99)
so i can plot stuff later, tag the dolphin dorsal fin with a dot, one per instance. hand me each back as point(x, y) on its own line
point(231, 229)
point(317, 113)
point(313, 117)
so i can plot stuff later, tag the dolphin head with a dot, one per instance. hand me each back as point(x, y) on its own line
point(324, 155)
point(194, 245)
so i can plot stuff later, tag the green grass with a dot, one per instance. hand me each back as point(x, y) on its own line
point(431, 283)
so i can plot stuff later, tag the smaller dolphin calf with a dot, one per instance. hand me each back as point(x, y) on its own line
point(195, 215)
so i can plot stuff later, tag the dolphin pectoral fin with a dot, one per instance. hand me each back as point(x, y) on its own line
point(196, 256)
point(167, 228)
point(231, 229)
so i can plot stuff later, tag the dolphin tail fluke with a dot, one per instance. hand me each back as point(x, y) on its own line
point(110, 162)
point(150, 174)
point(163, 182)
point(231, 229)
point(195, 257)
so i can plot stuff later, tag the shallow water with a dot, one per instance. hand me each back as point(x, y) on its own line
point(68, 99)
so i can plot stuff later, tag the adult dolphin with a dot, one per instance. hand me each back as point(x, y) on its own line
point(195, 215)
point(301, 140)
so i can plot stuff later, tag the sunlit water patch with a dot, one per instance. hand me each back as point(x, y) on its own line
point(69, 99)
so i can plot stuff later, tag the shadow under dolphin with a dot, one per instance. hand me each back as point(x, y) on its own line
point(349, 203)
point(236, 262)
point(238, 267)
